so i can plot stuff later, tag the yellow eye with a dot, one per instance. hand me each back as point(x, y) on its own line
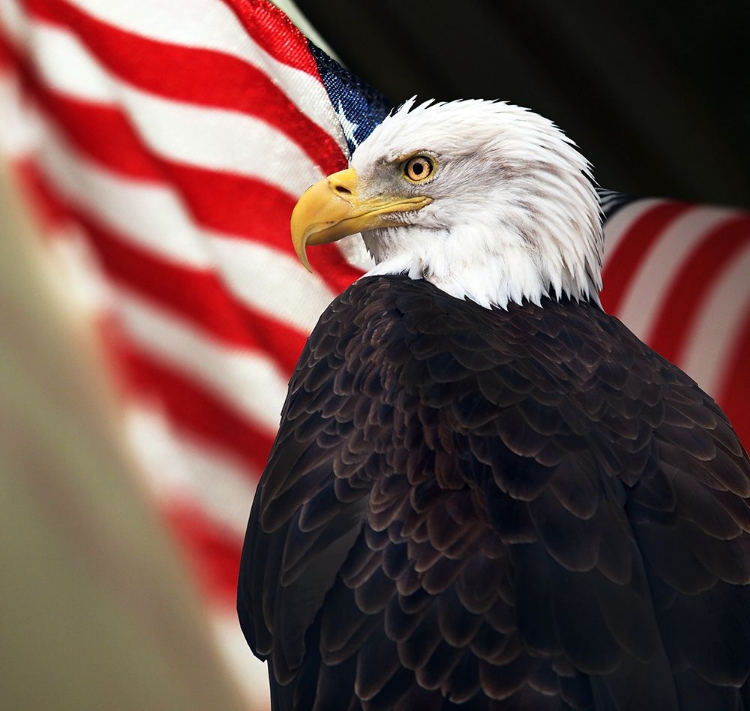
point(419, 168)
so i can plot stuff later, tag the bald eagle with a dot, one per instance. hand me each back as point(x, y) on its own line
point(486, 493)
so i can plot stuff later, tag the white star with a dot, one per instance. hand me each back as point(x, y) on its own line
point(348, 126)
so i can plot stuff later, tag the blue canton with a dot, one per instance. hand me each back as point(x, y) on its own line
point(358, 106)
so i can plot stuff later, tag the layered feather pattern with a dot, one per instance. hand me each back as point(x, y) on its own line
point(488, 509)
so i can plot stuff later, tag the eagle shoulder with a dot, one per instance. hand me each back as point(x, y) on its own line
point(481, 503)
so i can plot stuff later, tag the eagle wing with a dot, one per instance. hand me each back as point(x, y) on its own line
point(508, 509)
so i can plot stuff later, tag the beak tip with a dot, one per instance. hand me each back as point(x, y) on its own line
point(321, 210)
point(300, 249)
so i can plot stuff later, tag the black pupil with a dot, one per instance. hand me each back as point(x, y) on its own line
point(419, 167)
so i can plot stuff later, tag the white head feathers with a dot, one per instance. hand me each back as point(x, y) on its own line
point(514, 212)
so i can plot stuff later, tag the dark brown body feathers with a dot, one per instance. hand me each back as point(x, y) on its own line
point(478, 509)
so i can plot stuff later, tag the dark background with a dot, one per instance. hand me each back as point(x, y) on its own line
point(656, 94)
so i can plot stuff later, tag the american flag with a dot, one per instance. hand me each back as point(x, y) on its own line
point(163, 145)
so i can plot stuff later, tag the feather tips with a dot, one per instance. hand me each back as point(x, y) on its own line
point(543, 514)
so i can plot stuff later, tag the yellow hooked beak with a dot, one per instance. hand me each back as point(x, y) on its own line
point(335, 207)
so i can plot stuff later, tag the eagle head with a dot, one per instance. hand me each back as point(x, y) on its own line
point(486, 200)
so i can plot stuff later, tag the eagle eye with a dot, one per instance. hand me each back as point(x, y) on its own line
point(418, 168)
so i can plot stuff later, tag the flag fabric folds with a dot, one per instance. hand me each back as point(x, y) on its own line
point(163, 146)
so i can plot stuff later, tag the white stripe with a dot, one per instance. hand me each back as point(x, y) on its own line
point(656, 274)
point(12, 20)
point(712, 339)
point(177, 467)
point(221, 140)
point(82, 271)
point(223, 486)
point(20, 133)
point(207, 137)
point(621, 221)
point(205, 24)
point(153, 218)
point(209, 24)
point(250, 382)
point(272, 281)
point(354, 251)
point(250, 673)
point(66, 65)
point(304, 26)
point(149, 431)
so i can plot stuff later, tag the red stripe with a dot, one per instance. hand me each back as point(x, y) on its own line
point(200, 298)
point(692, 282)
point(196, 76)
point(103, 133)
point(275, 32)
point(196, 295)
point(196, 410)
point(7, 59)
point(632, 249)
point(212, 552)
point(48, 211)
point(734, 391)
point(221, 201)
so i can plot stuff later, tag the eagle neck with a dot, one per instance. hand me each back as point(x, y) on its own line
point(490, 265)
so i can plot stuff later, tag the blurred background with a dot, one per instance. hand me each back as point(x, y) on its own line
point(656, 94)
point(148, 326)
